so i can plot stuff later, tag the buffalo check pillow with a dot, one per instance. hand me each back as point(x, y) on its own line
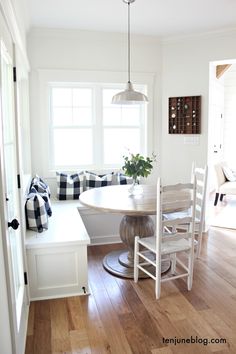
point(36, 213)
point(40, 187)
point(94, 181)
point(69, 186)
point(123, 179)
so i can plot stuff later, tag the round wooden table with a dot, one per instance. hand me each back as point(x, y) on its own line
point(135, 222)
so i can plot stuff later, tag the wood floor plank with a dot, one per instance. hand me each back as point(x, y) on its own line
point(98, 339)
point(42, 328)
point(111, 323)
point(165, 350)
point(221, 328)
point(138, 341)
point(31, 320)
point(186, 327)
point(74, 312)
point(60, 326)
point(141, 315)
point(79, 342)
point(29, 347)
point(107, 282)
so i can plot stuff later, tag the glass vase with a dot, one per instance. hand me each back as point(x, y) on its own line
point(135, 188)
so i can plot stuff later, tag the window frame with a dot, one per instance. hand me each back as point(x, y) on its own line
point(64, 78)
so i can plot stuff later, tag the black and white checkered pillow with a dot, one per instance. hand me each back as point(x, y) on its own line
point(40, 186)
point(95, 181)
point(69, 187)
point(123, 179)
point(36, 213)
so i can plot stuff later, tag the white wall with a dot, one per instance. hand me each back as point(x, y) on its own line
point(185, 72)
point(181, 68)
point(230, 116)
point(88, 51)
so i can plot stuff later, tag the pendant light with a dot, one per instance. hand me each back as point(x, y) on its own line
point(129, 95)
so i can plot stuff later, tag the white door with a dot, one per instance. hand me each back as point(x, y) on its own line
point(12, 234)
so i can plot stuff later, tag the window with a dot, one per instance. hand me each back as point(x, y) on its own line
point(87, 131)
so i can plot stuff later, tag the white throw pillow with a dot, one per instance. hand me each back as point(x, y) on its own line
point(229, 174)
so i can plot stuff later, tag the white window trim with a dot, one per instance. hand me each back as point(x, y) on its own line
point(69, 76)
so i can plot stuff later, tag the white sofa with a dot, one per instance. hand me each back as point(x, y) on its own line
point(223, 185)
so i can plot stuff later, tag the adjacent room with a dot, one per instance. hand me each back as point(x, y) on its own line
point(118, 176)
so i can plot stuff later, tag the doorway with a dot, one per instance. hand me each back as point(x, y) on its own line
point(221, 139)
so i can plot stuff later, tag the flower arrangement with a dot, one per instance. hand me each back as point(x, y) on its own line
point(136, 165)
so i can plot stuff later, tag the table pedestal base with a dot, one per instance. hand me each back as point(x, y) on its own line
point(117, 263)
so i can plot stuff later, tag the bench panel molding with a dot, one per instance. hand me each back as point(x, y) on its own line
point(57, 258)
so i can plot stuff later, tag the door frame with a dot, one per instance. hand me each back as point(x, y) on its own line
point(17, 342)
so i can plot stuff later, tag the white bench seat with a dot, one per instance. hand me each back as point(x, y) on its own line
point(57, 257)
point(66, 227)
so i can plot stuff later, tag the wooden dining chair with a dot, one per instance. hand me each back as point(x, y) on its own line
point(201, 182)
point(149, 251)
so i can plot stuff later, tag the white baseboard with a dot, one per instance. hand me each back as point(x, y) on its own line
point(60, 296)
point(104, 240)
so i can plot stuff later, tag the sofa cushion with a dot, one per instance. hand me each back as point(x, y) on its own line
point(228, 188)
point(229, 174)
point(69, 186)
point(220, 176)
point(92, 180)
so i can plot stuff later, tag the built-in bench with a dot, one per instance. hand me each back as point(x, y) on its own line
point(57, 257)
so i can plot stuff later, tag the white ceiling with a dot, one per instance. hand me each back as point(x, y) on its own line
point(162, 18)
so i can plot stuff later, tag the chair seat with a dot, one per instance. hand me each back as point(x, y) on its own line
point(166, 247)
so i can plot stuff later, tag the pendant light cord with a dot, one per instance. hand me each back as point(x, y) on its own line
point(129, 42)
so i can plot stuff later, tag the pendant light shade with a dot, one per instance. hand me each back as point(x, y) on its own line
point(129, 95)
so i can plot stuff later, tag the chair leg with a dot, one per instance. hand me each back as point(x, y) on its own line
point(136, 250)
point(221, 197)
point(190, 269)
point(158, 283)
point(173, 263)
point(199, 243)
point(216, 199)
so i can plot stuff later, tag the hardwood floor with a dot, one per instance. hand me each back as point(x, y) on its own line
point(121, 317)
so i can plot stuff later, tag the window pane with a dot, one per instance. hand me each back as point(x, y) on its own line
point(108, 94)
point(73, 147)
point(112, 116)
point(82, 116)
point(131, 115)
point(82, 97)
point(62, 97)
point(128, 116)
point(62, 116)
point(117, 142)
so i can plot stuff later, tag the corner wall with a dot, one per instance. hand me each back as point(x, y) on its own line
point(185, 72)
